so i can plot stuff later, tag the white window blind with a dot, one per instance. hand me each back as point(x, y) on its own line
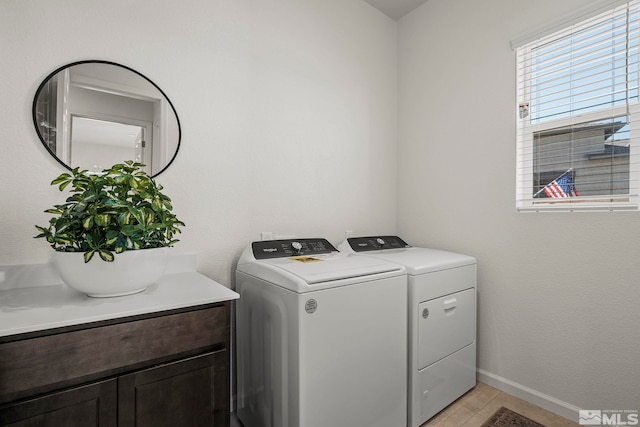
point(578, 143)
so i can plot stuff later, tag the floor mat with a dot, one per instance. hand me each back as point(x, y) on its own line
point(504, 417)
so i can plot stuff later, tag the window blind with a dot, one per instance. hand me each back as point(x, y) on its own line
point(578, 115)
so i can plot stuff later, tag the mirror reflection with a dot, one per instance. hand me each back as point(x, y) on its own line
point(93, 114)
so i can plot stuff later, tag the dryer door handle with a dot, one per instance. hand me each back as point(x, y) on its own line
point(449, 305)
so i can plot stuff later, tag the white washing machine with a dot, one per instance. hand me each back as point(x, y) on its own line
point(321, 337)
point(442, 321)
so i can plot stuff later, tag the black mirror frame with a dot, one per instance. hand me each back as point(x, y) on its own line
point(97, 61)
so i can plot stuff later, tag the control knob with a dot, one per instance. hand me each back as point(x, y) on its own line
point(297, 246)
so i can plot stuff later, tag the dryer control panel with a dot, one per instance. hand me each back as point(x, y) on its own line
point(267, 249)
point(375, 243)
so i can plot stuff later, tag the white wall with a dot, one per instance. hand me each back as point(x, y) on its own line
point(288, 113)
point(559, 294)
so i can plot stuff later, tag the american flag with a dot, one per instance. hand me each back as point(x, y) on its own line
point(561, 187)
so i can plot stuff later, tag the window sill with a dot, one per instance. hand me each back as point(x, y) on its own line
point(590, 204)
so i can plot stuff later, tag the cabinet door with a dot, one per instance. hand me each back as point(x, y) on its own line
point(90, 405)
point(191, 392)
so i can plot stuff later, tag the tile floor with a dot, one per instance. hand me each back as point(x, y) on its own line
point(477, 405)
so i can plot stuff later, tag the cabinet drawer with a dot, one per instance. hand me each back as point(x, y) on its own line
point(44, 363)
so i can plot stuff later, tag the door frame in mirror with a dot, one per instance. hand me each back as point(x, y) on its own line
point(42, 126)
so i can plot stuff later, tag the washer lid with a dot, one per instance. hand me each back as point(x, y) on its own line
point(315, 269)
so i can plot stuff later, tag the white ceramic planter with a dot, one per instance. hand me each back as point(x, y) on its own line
point(129, 273)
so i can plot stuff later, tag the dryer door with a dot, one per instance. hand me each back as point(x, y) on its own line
point(445, 325)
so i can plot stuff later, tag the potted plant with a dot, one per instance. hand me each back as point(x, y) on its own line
point(115, 214)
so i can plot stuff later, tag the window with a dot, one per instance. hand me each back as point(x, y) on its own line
point(578, 144)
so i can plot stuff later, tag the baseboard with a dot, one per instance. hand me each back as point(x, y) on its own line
point(530, 395)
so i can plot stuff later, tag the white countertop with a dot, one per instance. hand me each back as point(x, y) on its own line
point(36, 308)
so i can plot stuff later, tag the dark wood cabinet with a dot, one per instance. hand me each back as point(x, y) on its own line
point(160, 369)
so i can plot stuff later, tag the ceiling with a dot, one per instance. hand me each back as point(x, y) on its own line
point(395, 9)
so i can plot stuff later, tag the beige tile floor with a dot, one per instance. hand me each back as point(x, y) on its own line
point(479, 403)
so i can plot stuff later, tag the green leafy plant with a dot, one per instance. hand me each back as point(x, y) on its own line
point(117, 210)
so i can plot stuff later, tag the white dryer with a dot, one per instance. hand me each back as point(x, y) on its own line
point(321, 337)
point(442, 321)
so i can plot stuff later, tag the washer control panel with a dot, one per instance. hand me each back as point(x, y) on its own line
point(375, 243)
point(267, 249)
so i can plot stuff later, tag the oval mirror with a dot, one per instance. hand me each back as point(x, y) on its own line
point(93, 114)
